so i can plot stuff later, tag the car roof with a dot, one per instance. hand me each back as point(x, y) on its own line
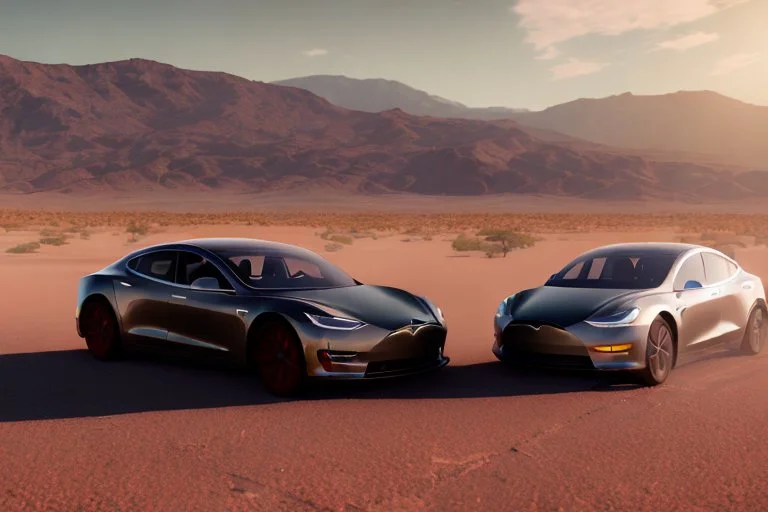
point(643, 248)
point(246, 245)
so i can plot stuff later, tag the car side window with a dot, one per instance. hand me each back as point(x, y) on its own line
point(134, 263)
point(596, 269)
point(193, 266)
point(691, 270)
point(158, 265)
point(575, 271)
point(716, 268)
point(299, 266)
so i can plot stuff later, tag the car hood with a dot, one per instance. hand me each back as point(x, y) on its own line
point(382, 306)
point(564, 306)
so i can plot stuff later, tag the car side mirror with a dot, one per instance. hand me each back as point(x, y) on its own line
point(692, 284)
point(207, 283)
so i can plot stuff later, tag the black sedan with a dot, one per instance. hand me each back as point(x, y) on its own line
point(281, 309)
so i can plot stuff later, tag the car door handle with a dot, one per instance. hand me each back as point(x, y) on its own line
point(179, 297)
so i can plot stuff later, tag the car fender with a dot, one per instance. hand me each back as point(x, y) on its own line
point(91, 286)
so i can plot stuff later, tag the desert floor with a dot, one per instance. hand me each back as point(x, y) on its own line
point(77, 434)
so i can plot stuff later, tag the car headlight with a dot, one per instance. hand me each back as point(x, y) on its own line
point(335, 322)
point(620, 319)
point(503, 309)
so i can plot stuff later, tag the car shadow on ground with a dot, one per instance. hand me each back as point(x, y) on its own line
point(71, 384)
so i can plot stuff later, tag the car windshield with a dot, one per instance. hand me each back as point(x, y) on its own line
point(628, 270)
point(271, 269)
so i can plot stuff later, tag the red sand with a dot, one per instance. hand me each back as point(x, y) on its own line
point(76, 434)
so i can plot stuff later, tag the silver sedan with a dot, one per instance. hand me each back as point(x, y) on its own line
point(639, 307)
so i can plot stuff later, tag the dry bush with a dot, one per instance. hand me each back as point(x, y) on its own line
point(46, 232)
point(755, 225)
point(493, 242)
point(26, 248)
point(136, 229)
point(341, 239)
point(55, 240)
point(507, 239)
point(333, 247)
point(355, 233)
point(464, 243)
point(337, 238)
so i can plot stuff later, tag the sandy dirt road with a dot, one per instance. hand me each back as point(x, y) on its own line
point(76, 434)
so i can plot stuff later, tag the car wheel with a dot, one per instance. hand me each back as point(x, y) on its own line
point(755, 335)
point(278, 356)
point(100, 330)
point(659, 353)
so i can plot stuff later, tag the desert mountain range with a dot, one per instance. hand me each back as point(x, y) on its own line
point(378, 95)
point(692, 124)
point(138, 125)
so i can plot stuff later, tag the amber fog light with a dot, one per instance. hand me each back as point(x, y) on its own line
point(624, 347)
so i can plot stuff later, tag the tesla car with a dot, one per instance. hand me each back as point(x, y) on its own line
point(638, 307)
point(282, 309)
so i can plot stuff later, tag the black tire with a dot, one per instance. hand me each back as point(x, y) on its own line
point(659, 353)
point(99, 327)
point(756, 333)
point(278, 358)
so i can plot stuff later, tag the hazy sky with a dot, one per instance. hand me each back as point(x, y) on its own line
point(517, 53)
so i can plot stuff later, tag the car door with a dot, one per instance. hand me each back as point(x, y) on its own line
point(205, 319)
point(725, 295)
point(142, 296)
point(698, 314)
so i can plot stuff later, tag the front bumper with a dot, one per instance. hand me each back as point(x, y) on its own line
point(570, 348)
point(405, 351)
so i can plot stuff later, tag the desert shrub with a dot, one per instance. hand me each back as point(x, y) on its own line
point(85, 235)
point(333, 247)
point(465, 243)
point(55, 240)
point(48, 232)
point(507, 239)
point(493, 242)
point(11, 226)
point(492, 250)
point(418, 233)
point(754, 225)
point(136, 229)
point(341, 239)
point(363, 234)
point(27, 248)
